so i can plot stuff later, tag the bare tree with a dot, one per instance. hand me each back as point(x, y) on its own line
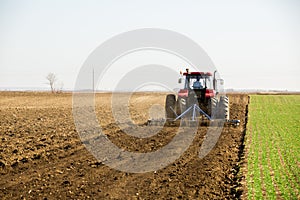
point(51, 77)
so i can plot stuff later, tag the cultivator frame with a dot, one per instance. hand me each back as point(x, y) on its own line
point(193, 120)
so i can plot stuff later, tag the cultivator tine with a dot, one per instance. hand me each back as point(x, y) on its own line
point(157, 122)
point(192, 123)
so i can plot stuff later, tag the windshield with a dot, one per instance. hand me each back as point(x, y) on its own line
point(197, 82)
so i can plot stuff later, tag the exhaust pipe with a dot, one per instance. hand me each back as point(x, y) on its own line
point(215, 81)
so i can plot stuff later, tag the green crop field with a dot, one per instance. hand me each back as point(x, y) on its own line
point(273, 147)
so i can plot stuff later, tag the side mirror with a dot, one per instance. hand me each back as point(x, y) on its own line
point(179, 80)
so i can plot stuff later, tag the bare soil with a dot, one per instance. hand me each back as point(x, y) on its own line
point(42, 156)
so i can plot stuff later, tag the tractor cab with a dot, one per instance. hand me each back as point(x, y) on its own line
point(200, 83)
point(197, 80)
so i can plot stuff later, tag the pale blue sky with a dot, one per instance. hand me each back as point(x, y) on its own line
point(254, 44)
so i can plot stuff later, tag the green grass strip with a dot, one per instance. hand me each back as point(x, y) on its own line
point(273, 127)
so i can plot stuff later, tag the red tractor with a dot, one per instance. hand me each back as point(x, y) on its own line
point(201, 89)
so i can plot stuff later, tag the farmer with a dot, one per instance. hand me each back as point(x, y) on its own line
point(197, 84)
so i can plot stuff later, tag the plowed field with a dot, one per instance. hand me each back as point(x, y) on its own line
point(42, 156)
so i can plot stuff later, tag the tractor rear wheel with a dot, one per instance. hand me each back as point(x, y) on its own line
point(212, 107)
point(170, 104)
point(223, 108)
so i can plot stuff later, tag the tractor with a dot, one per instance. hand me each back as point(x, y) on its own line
point(201, 91)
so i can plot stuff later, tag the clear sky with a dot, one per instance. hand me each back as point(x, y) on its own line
point(254, 44)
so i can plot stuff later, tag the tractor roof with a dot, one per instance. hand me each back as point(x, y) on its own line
point(198, 73)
